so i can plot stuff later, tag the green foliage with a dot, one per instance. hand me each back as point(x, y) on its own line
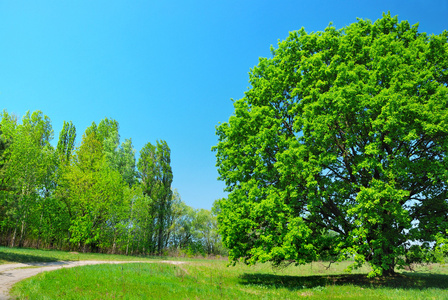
point(342, 130)
point(95, 194)
point(66, 141)
point(88, 198)
point(26, 167)
point(195, 231)
point(125, 162)
point(154, 167)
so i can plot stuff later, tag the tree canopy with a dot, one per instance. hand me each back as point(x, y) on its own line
point(339, 149)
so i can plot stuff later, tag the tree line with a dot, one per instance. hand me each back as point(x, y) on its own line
point(93, 197)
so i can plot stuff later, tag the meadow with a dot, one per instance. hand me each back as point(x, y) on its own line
point(26, 255)
point(214, 279)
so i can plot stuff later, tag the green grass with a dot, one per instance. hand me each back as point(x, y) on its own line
point(25, 255)
point(129, 281)
point(207, 279)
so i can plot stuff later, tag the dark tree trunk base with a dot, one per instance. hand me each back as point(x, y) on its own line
point(389, 272)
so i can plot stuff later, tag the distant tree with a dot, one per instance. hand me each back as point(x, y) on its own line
point(125, 162)
point(342, 131)
point(195, 230)
point(142, 224)
point(8, 124)
point(27, 168)
point(95, 197)
point(66, 141)
point(107, 134)
point(119, 157)
point(154, 167)
point(206, 231)
point(182, 227)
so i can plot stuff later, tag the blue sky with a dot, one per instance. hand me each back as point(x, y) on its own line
point(163, 69)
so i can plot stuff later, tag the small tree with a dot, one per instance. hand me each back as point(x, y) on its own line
point(342, 132)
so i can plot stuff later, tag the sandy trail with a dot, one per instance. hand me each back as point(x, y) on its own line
point(11, 273)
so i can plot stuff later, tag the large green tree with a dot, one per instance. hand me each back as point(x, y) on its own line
point(340, 148)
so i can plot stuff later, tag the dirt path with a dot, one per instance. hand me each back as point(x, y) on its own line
point(12, 273)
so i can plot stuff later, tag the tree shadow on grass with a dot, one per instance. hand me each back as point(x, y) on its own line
point(416, 281)
point(24, 258)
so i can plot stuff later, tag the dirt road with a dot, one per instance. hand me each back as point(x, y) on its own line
point(12, 273)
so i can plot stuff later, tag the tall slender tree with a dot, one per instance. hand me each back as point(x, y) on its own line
point(66, 141)
point(156, 175)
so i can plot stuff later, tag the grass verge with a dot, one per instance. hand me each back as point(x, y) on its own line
point(214, 280)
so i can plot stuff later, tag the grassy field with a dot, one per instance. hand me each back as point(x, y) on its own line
point(24, 255)
point(212, 279)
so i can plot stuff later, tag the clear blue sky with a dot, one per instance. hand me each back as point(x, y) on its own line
point(163, 69)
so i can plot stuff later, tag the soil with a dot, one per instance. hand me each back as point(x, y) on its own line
point(13, 273)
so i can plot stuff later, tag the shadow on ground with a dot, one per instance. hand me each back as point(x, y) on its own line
point(24, 258)
point(403, 281)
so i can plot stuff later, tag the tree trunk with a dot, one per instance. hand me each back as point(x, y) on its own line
point(14, 237)
point(390, 271)
point(114, 244)
point(129, 234)
point(40, 227)
point(22, 231)
point(161, 221)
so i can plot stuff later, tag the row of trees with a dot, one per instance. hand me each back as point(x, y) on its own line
point(95, 197)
